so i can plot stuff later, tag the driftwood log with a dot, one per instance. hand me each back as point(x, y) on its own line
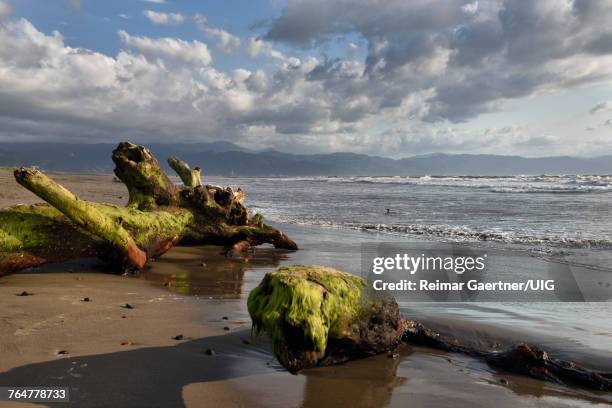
point(316, 316)
point(159, 215)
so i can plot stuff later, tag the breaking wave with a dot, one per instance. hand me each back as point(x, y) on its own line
point(463, 233)
point(501, 184)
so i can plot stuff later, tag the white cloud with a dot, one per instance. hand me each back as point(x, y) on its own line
point(124, 16)
point(226, 42)
point(601, 107)
point(475, 54)
point(398, 100)
point(52, 91)
point(193, 52)
point(164, 18)
point(470, 8)
point(257, 46)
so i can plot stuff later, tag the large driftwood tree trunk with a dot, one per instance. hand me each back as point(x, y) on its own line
point(159, 215)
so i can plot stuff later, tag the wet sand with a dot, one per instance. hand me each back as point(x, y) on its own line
point(133, 361)
point(49, 338)
point(94, 187)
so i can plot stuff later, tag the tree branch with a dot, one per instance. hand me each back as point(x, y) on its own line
point(190, 178)
point(83, 214)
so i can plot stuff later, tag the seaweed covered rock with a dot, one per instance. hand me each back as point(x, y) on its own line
point(316, 315)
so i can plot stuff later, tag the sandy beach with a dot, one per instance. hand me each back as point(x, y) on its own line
point(186, 340)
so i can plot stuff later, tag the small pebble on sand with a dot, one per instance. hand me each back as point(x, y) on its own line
point(178, 337)
point(392, 355)
point(24, 293)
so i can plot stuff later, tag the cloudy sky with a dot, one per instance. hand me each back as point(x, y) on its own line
point(385, 77)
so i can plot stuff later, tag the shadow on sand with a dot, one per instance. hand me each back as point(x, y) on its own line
point(155, 376)
point(146, 377)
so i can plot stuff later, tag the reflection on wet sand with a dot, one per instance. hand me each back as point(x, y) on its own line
point(437, 378)
point(206, 270)
point(367, 382)
point(424, 377)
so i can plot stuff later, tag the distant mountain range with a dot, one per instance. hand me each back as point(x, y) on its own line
point(227, 159)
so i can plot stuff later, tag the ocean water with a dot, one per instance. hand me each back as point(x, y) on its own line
point(565, 217)
point(548, 219)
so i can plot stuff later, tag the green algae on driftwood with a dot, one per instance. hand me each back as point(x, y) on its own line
point(316, 316)
point(159, 215)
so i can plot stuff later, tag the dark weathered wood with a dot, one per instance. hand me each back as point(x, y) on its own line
point(525, 359)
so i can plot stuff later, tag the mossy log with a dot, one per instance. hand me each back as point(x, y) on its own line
point(316, 316)
point(159, 215)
